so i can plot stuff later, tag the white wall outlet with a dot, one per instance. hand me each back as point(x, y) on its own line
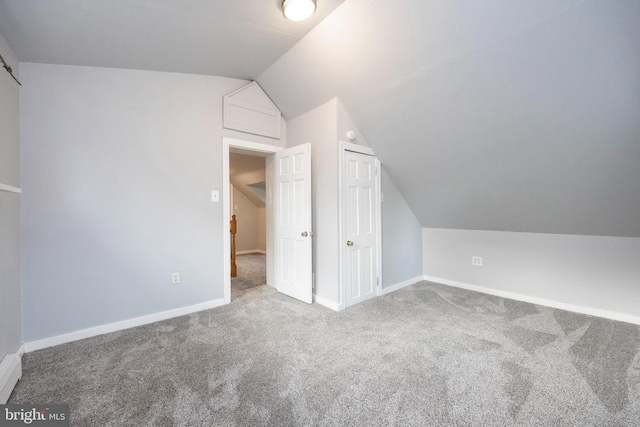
point(215, 195)
point(476, 260)
point(175, 278)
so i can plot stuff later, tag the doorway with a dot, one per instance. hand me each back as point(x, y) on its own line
point(236, 146)
point(287, 210)
point(247, 192)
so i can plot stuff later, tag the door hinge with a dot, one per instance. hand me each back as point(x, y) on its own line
point(375, 170)
point(377, 281)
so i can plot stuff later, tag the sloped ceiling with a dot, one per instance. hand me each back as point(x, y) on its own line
point(513, 115)
point(247, 175)
point(231, 38)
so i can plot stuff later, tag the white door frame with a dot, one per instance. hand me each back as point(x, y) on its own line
point(344, 147)
point(249, 146)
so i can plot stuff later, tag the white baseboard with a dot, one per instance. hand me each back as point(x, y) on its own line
point(400, 285)
point(327, 303)
point(253, 251)
point(10, 373)
point(612, 315)
point(118, 326)
point(339, 307)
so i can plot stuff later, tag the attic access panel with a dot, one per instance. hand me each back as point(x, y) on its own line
point(250, 110)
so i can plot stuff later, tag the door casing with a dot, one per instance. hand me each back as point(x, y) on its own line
point(254, 148)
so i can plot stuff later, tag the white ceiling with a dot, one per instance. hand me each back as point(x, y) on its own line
point(231, 38)
point(513, 115)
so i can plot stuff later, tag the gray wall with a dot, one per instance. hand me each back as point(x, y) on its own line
point(10, 291)
point(117, 170)
point(592, 272)
point(319, 127)
point(401, 237)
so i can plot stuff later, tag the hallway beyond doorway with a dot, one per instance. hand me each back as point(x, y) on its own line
point(252, 272)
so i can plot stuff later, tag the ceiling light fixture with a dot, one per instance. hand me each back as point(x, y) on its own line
point(298, 10)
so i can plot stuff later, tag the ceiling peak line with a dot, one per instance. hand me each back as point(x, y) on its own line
point(9, 69)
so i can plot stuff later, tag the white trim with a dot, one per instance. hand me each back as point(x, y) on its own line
point(612, 315)
point(10, 373)
point(227, 143)
point(401, 285)
point(344, 147)
point(10, 188)
point(252, 251)
point(251, 146)
point(342, 300)
point(118, 326)
point(350, 146)
point(327, 303)
point(378, 167)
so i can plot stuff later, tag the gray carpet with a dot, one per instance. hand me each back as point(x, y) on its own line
point(252, 272)
point(424, 355)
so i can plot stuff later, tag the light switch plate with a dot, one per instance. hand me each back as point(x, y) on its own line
point(215, 196)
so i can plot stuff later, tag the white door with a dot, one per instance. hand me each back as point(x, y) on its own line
point(360, 229)
point(293, 222)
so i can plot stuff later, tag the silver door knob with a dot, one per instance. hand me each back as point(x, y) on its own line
point(349, 243)
point(306, 233)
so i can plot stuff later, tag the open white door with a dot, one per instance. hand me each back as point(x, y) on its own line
point(293, 222)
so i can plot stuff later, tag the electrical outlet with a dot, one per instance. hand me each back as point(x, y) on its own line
point(476, 260)
point(175, 278)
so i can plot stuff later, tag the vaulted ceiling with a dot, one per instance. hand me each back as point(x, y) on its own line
point(513, 115)
point(230, 38)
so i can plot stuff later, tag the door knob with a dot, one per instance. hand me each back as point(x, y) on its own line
point(306, 233)
point(349, 243)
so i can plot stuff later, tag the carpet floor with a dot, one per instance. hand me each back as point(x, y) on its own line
point(252, 272)
point(425, 355)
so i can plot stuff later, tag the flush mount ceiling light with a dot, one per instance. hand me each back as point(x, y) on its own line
point(298, 10)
